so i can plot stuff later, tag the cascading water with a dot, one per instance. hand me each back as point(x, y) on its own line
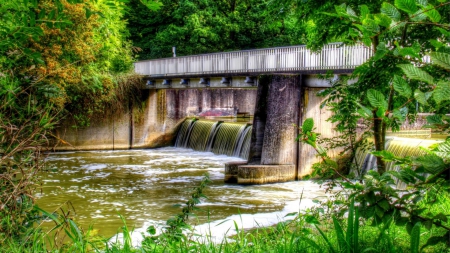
point(400, 147)
point(183, 133)
point(232, 139)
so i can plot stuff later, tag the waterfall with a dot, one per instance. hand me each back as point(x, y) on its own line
point(400, 147)
point(183, 132)
point(232, 139)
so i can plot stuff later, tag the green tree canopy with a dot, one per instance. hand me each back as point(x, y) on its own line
point(205, 26)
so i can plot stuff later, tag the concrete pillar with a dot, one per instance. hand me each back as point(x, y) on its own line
point(282, 112)
point(273, 150)
point(259, 123)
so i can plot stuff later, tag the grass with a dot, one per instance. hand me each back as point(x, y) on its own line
point(305, 232)
point(295, 235)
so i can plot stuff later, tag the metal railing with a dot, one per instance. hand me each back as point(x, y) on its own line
point(280, 59)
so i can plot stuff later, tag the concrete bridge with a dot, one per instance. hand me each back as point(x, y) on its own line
point(240, 68)
point(277, 86)
point(284, 77)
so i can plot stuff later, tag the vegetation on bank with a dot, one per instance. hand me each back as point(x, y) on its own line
point(69, 58)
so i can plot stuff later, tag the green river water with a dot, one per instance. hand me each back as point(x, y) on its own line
point(144, 186)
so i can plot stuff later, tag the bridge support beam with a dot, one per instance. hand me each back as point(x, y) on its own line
point(273, 143)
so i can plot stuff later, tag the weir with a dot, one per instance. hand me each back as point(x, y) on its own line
point(400, 147)
point(277, 87)
point(222, 138)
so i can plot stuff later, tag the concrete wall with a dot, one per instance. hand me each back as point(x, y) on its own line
point(311, 109)
point(154, 123)
point(110, 131)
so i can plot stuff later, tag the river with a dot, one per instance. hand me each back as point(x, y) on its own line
point(144, 185)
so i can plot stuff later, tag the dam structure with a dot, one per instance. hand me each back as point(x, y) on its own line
point(275, 87)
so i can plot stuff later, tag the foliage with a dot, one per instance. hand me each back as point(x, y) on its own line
point(401, 42)
point(205, 26)
point(381, 201)
point(52, 54)
point(400, 70)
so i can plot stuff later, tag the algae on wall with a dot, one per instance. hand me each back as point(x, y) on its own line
point(153, 122)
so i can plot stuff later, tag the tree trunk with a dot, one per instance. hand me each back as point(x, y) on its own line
point(378, 135)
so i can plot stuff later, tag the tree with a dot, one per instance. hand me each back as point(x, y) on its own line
point(52, 53)
point(205, 26)
point(409, 70)
point(399, 34)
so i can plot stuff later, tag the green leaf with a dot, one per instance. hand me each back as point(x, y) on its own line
point(420, 97)
point(321, 150)
point(442, 91)
point(308, 125)
point(401, 86)
point(432, 14)
point(441, 59)
point(422, 3)
point(434, 119)
point(382, 50)
point(431, 163)
point(418, 16)
point(381, 112)
point(370, 25)
point(401, 113)
point(364, 11)
point(339, 234)
point(376, 98)
point(364, 112)
point(311, 219)
point(408, 6)
point(415, 73)
point(331, 163)
point(390, 11)
point(351, 13)
point(384, 204)
point(435, 240)
point(382, 20)
point(386, 155)
point(367, 41)
point(415, 238)
point(437, 44)
point(443, 31)
point(409, 51)
point(151, 230)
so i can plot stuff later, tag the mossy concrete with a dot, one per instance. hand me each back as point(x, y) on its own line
point(231, 171)
point(153, 123)
point(263, 174)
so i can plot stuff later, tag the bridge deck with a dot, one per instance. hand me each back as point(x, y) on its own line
point(269, 60)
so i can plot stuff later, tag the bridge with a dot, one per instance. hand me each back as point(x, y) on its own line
point(277, 86)
point(240, 68)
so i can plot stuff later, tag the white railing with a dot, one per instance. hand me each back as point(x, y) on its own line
point(281, 59)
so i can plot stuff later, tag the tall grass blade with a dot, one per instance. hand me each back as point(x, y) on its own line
point(415, 238)
point(326, 239)
point(356, 232)
point(350, 227)
point(340, 235)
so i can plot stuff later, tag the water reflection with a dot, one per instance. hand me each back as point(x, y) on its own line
point(144, 185)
